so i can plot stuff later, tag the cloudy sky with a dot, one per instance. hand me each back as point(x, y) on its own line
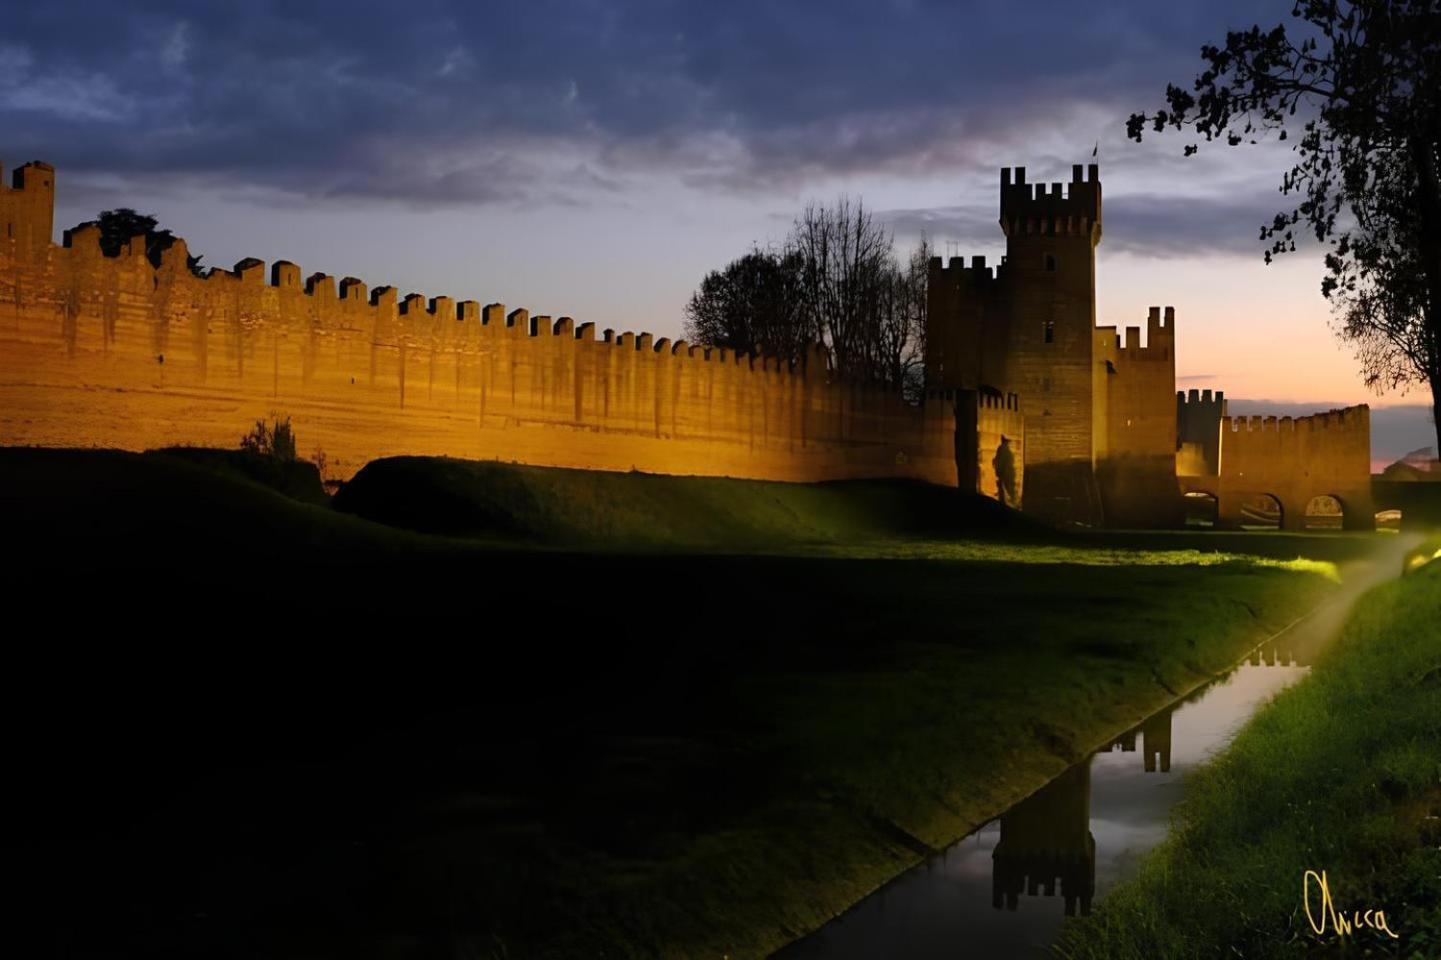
point(596, 159)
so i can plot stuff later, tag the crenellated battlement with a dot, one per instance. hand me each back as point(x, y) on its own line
point(1057, 209)
point(1201, 398)
point(36, 178)
point(1158, 345)
point(1353, 420)
point(996, 401)
point(956, 270)
point(416, 312)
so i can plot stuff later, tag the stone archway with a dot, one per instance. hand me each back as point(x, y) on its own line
point(1261, 511)
point(1202, 509)
point(1324, 512)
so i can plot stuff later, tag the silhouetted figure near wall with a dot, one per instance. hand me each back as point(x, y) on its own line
point(1004, 463)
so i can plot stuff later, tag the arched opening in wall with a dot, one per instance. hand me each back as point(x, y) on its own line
point(1324, 513)
point(1261, 512)
point(1201, 510)
point(1388, 521)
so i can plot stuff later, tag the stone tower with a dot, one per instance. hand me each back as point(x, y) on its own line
point(1097, 403)
point(1028, 329)
point(27, 208)
point(1050, 270)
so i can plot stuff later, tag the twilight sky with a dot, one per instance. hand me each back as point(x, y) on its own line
point(596, 159)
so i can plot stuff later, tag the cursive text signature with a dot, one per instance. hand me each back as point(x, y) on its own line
point(1315, 884)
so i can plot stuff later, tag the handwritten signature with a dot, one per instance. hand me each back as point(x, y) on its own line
point(1337, 919)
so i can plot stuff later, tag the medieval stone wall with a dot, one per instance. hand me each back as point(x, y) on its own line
point(118, 352)
point(1293, 460)
point(1136, 423)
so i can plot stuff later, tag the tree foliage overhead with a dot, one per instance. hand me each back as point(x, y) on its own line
point(1356, 88)
point(836, 281)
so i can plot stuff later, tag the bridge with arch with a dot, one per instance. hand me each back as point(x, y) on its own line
point(1292, 473)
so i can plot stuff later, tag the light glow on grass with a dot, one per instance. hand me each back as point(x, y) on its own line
point(992, 552)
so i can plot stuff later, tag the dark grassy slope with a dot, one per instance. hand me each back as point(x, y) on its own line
point(296, 479)
point(499, 501)
point(1342, 774)
point(509, 504)
point(255, 726)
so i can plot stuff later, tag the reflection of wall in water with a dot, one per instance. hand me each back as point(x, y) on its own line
point(1046, 838)
point(1280, 655)
point(1155, 741)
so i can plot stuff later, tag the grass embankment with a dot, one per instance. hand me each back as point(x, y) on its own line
point(1342, 773)
point(334, 736)
point(500, 502)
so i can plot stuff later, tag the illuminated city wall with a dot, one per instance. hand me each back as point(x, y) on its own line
point(123, 352)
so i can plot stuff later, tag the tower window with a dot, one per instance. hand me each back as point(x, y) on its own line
point(1049, 331)
point(1050, 263)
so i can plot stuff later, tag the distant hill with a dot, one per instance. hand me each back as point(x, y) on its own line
point(1420, 464)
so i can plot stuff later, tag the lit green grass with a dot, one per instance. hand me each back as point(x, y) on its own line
point(1342, 773)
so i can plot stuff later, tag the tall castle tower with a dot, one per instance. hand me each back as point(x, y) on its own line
point(1050, 271)
point(1097, 405)
point(1028, 329)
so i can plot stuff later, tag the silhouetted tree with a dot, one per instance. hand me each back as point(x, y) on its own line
point(894, 336)
point(1363, 81)
point(837, 282)
point(265, 440)
point(118, 226)
point(847, 268)
point(752, 305)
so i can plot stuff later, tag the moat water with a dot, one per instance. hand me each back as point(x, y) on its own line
point(1005, 890)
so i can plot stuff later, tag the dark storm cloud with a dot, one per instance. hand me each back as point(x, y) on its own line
point(1168, 226)
point(1143, 224)
point(437, 102)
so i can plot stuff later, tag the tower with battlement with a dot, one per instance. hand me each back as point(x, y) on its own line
point(1198, 432)
point(27, 208)
point(1097, 403)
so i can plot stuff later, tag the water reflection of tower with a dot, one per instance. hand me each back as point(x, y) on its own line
point(1156, 741)
point(1047, 838)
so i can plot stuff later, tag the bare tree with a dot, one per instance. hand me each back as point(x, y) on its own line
point(846, 266)
point(837, 281)
point(903, 329)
